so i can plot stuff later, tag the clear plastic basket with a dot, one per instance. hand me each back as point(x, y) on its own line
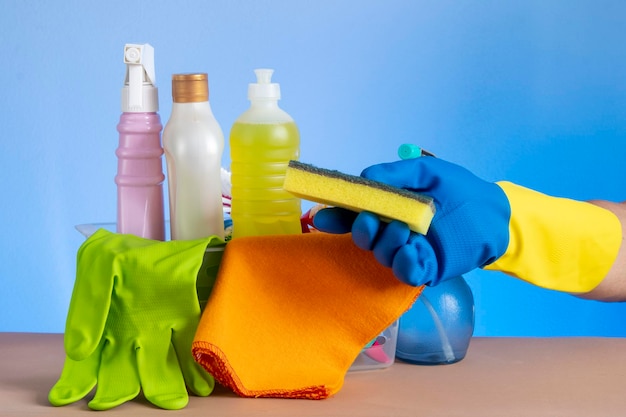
point(379, 353)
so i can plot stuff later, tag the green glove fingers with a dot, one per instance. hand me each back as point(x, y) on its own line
point(132, 318)
point(91, 300)
point(118, 380)
point(162, 385)
point(77, 379)
point(199, 381)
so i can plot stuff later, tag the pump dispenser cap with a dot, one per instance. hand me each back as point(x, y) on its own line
point(264, 88)
point(139, 94)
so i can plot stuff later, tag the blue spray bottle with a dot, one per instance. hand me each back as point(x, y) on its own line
point(438, 328)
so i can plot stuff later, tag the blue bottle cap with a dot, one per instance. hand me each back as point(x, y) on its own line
point(409, 151)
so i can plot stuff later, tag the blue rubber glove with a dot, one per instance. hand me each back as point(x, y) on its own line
point(470, 228)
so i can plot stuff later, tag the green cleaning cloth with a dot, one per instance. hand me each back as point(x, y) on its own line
point(131, 322)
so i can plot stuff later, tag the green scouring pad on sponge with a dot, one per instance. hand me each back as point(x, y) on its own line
point(358, 194)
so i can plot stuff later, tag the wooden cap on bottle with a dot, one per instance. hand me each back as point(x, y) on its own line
point(190, 88)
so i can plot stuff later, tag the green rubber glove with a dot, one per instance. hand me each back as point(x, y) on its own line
point(132, 318)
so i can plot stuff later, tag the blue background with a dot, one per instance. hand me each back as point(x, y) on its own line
point(529, 91)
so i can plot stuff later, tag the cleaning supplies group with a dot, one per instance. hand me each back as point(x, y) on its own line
point(264, 149)
point(262, 142)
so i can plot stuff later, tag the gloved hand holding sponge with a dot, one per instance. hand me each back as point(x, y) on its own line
point(551, 242)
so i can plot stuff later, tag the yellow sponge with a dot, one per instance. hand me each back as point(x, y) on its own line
point(359, 194)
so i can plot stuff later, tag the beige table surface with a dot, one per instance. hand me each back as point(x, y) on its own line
point(499, 377)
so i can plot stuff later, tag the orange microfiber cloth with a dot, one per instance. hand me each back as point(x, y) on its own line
point(289, 314)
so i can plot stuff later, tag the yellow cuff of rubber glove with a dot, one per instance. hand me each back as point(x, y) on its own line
point(558, 243)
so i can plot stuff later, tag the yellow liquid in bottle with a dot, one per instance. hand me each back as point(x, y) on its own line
point(259, 157)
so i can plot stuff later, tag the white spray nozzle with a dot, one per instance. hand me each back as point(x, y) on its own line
point(139, 90)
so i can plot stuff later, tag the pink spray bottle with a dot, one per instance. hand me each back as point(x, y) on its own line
point(140, 176)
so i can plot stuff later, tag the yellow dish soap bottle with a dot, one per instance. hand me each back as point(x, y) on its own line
point(262, 141)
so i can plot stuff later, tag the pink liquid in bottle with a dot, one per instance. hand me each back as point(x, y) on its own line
point(140, 176)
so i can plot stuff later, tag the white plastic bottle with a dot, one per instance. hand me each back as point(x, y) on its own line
point(262, 141)
point(193, 142)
